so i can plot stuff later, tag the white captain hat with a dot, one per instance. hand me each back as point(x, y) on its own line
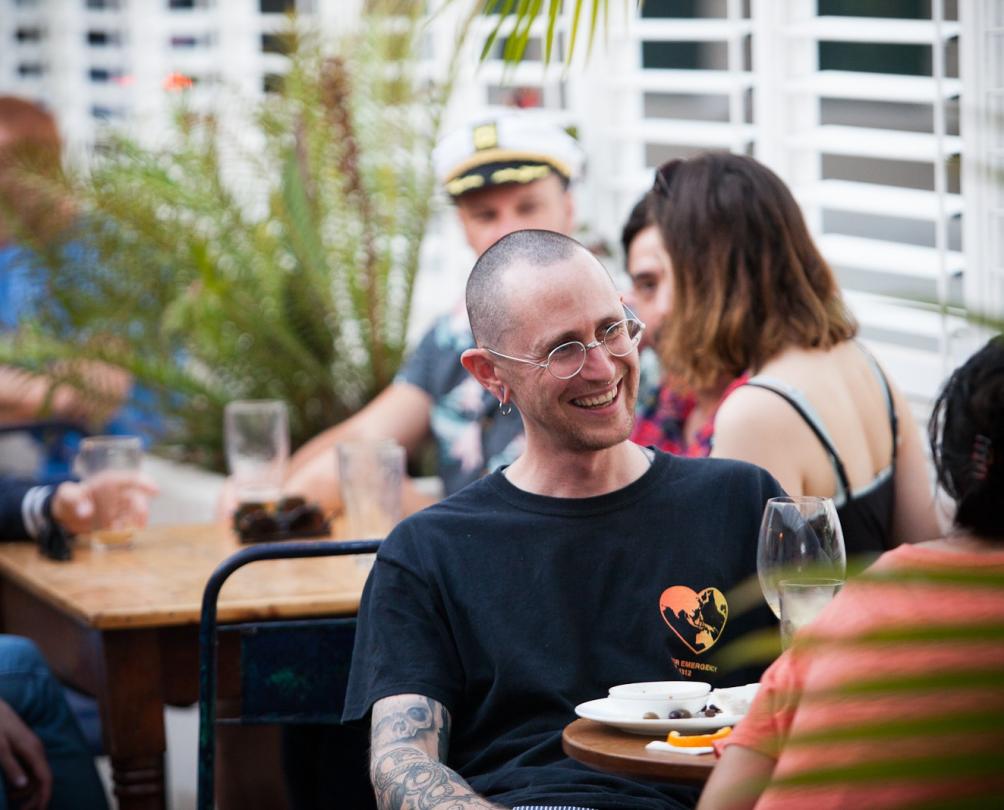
point(515, 147)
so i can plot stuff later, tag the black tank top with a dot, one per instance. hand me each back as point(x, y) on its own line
point(865, 515)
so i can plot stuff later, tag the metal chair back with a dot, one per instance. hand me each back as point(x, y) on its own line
point(290, 671)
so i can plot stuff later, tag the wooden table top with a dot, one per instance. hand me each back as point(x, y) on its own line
point(615, 751)
point(159, 579)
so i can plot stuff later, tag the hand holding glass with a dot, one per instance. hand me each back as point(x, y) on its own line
point(800, 539)
point(256, 434)
point(110, 468)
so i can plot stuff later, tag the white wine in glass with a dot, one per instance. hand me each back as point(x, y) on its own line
point(800, 538)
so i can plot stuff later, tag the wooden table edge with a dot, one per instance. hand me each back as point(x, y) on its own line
point(663, 766)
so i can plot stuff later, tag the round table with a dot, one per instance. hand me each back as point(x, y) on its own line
point(615, 751)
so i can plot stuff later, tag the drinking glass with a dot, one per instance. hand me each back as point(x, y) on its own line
point(802, 601)
point(256, 434)
point(371, 477)
point(800, 539)
point(106, 463)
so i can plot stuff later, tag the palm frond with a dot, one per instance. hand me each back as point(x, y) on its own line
point(297, 287)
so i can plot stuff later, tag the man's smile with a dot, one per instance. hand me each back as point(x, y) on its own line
point(598, 400)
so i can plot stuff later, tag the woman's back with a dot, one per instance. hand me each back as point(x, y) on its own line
point(842, 392)
point(753, 294)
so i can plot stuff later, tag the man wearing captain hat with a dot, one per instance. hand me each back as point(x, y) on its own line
point(503, 174)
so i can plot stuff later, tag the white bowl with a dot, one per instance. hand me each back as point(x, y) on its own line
point(658, 698)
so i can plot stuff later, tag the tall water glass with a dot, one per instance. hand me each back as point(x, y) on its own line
point(800, 538)
point(371, 477)
point(108, 463)
point(256, 434)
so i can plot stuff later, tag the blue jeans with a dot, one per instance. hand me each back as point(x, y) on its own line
point(30, 689)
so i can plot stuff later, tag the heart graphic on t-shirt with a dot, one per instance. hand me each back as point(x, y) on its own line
point(697, 618)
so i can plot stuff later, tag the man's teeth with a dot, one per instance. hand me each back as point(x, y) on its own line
point(596, 401)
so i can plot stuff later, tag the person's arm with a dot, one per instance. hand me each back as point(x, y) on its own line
point(400, 412)
point(737, 780)
point(26, 510)
point(24, 395)
point(409, 740)
point(915, 518)
point(22, 758)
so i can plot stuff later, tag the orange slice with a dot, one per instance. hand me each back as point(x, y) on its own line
point(697, 740)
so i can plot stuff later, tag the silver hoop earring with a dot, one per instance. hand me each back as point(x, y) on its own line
point(505, 408)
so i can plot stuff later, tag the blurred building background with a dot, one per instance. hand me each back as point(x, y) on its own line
point(884, 116)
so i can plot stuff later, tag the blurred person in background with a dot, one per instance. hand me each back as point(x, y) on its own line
point(670, 417)
point(943, 691)
point(36, 218)
point(752, 295)
point(30, 510)
point(504, 174)
point(46, 760)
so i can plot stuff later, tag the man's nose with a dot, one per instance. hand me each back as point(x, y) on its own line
point(599, 363)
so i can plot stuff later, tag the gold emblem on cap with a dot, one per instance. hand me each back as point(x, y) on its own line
point(520, 174)
point(464, 184)
point(485, 136)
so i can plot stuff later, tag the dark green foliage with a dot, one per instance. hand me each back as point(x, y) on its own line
point(296, 285)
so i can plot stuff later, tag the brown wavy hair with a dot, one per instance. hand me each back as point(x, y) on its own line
point(748, 280)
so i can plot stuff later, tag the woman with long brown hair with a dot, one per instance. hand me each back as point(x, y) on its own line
point(752, 294)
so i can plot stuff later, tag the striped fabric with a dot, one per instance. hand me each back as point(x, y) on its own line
point(32, 510)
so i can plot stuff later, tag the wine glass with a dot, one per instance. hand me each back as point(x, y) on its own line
point(800, 540)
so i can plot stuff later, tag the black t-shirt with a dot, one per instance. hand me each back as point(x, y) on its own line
point(511, 608)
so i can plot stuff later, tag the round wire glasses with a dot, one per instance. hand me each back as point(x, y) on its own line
point(565, 361)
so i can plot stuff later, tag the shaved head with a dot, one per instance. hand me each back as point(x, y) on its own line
point(486, 293)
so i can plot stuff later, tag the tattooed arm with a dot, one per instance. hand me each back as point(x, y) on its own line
point(410, 737)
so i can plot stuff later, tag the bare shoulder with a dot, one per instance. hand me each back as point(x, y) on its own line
point(750, 411)
point(757, 426)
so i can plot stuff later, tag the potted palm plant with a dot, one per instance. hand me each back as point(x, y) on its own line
point(296, 285)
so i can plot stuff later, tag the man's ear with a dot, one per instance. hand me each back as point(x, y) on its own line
point(481, 366)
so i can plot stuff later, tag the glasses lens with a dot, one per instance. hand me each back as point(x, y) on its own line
point(290, 502)
point(622, 337)
point(257, 525)
point(565, 360)
point(306, 518)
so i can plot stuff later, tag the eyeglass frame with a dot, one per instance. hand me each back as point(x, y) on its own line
point(586, 347)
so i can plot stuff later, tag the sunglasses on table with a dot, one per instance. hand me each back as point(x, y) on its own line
point(292, 518)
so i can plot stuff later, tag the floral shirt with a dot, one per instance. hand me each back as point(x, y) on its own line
point(472, 436)
point(661, 419)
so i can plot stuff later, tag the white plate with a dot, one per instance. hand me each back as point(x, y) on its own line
point(600, 710)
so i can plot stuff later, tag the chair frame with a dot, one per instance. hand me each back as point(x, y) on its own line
point(208, 652)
